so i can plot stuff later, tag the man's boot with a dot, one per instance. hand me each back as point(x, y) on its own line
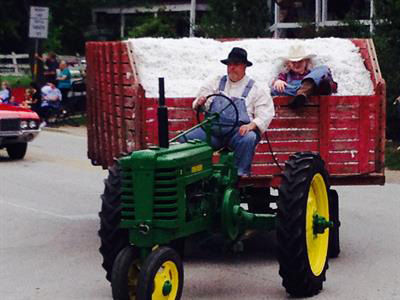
point(306, 90)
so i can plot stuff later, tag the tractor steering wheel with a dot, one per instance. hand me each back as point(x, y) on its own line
point(223, 107)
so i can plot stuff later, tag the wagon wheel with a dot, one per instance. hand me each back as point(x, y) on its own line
point(220, 128)
point(125, 274)
point(302, 227)
point(112, 238)
point(161, 276)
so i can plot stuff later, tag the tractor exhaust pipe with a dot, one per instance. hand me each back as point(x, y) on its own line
point(162, 114)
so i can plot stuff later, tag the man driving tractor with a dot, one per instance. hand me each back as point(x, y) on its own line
point(255, 110)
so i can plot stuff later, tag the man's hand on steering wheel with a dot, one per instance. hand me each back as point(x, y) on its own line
point(246, 128)
point(200, 102)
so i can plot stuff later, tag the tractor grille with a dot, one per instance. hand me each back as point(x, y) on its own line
point(9, 124)
point(165, 194)
point(127, 196)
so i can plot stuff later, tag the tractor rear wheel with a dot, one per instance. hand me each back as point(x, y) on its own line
point(334, 241)
point(113, 238)
point(302, 226)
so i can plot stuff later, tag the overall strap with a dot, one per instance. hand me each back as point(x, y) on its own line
point(222, 83)
point(248, 88)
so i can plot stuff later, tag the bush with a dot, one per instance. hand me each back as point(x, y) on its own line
point(17, 81)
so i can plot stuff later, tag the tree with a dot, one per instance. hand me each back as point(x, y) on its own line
point(235, 18)
point(387, 44)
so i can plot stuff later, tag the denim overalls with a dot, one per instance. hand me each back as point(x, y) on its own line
point(243, 146)
point(316, 74)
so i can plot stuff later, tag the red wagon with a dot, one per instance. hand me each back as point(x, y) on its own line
point(347, 131)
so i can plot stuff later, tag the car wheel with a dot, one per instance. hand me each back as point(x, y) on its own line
point(17, 151)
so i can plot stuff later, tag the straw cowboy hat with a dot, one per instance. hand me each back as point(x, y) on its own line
point(297, 53)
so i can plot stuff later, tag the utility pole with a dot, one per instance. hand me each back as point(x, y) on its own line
point(192, 18)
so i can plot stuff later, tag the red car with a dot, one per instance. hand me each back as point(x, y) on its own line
point(18, 126)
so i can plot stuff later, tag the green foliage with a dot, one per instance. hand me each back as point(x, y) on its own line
point(17, 81)
point(387, 43)
point(235, 18)
point(392, 156)
point(153, 27)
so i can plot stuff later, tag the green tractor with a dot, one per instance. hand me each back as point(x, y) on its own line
point(156, 198)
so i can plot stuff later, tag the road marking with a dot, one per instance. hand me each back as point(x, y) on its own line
point(52, 214)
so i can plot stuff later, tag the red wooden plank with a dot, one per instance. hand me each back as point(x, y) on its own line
point(345, 133)
point(90, 104)
point(363, 143)
point(289, 146)
point(99, 102)
point(348, 156)
point(115, 141)
point(294, 123)
point(324, 138)
point(106, 111)
point(351, 145)
point(287, 134)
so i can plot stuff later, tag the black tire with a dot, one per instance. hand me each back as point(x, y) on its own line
point(125, 274)
point(17, 151)
point(112, 238)
point(334, 241)
point(302, 274)
point(159, 258)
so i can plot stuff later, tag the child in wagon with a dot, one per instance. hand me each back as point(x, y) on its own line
point(301, 80)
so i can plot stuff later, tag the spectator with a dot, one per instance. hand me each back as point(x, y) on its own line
point(64, 80)
point(32, 98)
point(301, 80)
point(254, 105)
point(50, 65)
point(51, 101)
point(5, 93)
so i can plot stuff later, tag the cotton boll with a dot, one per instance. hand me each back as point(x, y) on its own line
point(186, 63)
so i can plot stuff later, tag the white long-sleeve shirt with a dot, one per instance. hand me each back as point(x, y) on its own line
point(259, 104)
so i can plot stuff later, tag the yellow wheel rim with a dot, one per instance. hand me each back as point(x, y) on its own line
point(317, 244)
point(133, 275)
point(166, 282)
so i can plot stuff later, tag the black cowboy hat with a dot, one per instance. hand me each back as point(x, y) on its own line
point(237, 55)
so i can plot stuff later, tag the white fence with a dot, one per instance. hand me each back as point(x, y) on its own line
point(14, 64)
point(18, 64)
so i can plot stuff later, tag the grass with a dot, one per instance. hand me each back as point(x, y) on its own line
point(392, 155)
point(17, 81)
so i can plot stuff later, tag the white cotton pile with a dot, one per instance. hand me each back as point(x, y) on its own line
point(186, 63)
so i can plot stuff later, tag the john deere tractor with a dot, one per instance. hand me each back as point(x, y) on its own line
point(155, 198)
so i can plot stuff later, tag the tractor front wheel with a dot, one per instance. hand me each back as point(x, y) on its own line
point(303, 225)
point(112, 238)
point(125, 274)
point(161, 275)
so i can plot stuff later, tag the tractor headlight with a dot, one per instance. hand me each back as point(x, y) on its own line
point(24, 124)
point(32, 124)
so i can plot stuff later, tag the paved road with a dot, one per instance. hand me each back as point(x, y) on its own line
point(48, 239)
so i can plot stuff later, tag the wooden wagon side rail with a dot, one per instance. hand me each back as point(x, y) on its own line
point(114, 108)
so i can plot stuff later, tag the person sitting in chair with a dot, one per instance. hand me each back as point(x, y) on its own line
point(51, 101)
point(301, 80)
point(255, 108)
point(5, 93)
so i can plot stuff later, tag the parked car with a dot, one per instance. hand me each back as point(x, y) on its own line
point(18, 126)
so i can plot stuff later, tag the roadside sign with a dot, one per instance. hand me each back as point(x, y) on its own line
point(39, 22)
